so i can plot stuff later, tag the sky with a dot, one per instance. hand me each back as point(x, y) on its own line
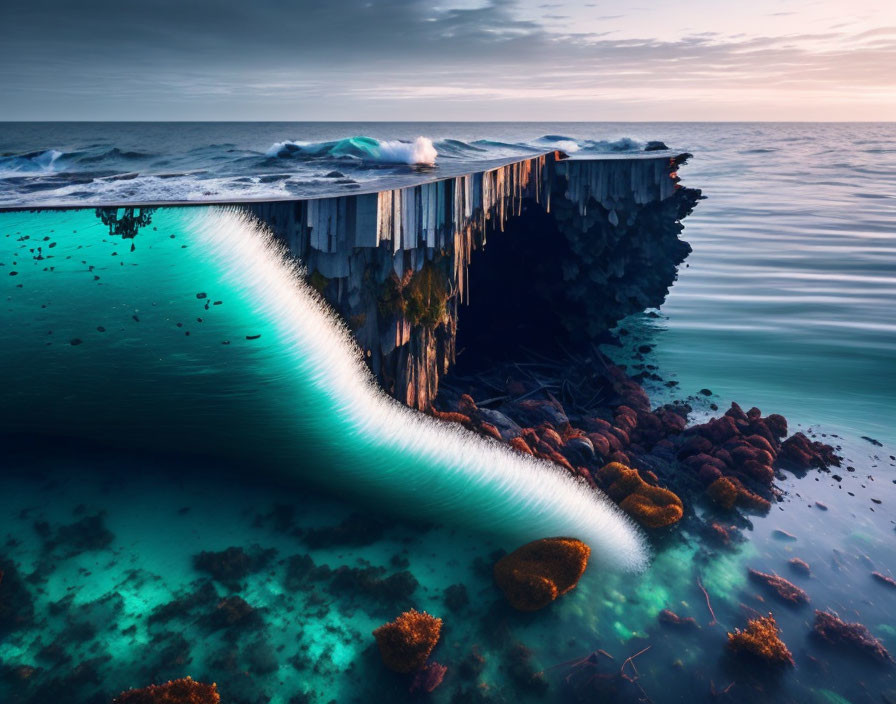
point(645, 60)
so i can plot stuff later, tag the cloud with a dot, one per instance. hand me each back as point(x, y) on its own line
point(352, 58)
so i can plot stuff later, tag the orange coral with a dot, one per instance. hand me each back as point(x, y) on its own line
point(535, 574)
point(406, 642)
point(760, 640)
point(723, 491)
point(182, 691)
point(651, 506)
point(728, 492)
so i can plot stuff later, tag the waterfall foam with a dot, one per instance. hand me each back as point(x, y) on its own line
point(423, 466)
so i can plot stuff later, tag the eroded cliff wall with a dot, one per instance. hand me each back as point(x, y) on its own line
point(396, 264)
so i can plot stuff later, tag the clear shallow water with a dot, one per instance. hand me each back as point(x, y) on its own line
point(143, 383)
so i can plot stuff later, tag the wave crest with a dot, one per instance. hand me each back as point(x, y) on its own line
point(421, 151)
point(403, 458)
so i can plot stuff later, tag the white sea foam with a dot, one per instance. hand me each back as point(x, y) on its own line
point(420, 151)
point(435, 469)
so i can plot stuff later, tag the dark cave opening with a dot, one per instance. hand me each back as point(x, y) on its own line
point(513, 286)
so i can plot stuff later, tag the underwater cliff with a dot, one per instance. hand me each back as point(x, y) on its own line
point(396, 264)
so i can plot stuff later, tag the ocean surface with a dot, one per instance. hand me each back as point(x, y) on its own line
point(180, 391)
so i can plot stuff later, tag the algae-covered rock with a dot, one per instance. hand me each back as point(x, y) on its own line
point(535, 574)
point(406, 642)
point(652, 506)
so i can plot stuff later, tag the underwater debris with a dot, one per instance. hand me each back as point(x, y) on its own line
point(535, 574)
point(406, 642)
point(670, 618)
point(830, 628)
point(760, 641)
point(182, 691)
point(785, 590)
point(651, 506)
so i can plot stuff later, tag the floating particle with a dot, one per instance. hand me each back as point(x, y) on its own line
point(252, 337)
point(198, 320)
point(136, 318)
point(225, 342)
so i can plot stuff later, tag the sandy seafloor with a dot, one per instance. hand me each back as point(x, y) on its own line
point(94, 601)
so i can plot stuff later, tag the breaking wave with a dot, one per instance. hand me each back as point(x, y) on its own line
point(420, 151)
point(428, 467)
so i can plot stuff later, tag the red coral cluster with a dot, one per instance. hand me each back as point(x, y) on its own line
point(406, 642)
point(606, 418)
point(760, 641)
point(182, 691)
point(734, 456)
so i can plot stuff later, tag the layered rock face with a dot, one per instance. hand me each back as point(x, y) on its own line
point(396, 264)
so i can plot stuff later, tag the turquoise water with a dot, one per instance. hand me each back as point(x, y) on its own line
point(195, 423)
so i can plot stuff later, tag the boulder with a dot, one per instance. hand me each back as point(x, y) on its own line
point(535, 574)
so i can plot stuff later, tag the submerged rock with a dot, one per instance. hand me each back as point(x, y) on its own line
point(406, 642)
point(760, 641)
point(785, 590)
point(232, 565)
point(651, 506)
point(182, 691)
point(830, 628)
point(535, 574)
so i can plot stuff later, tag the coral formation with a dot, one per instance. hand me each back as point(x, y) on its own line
point(535, 574)
point(651, 506)
point(830, 628)
point(406, 642)
point(785, 590)
point(182, 691)
point(760, 641)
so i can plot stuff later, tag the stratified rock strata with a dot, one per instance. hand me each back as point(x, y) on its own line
point(396, 264)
